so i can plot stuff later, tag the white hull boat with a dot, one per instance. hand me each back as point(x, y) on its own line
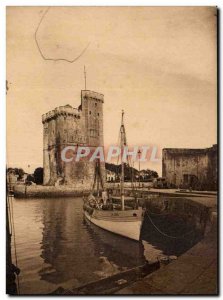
point(104, 211)
point(125, 223)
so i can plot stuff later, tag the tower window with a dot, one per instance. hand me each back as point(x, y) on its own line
point(89, 112)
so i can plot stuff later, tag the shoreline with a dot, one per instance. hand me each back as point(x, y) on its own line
point(41, 191)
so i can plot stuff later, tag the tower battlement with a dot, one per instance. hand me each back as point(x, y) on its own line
point(66, 110)
point(93, 95)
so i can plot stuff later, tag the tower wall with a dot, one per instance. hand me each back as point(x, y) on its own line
point(66, 126)
point(92, 112)
point(46, 163)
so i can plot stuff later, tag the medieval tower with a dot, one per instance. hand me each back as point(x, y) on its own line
point(67, 126)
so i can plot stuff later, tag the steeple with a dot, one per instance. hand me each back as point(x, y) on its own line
point(85, 79)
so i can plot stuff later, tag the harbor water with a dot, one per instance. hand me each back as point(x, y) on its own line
point(55, 246)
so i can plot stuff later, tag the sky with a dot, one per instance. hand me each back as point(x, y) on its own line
point(159, 64)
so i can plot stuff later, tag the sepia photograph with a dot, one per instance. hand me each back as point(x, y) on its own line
point(112, 150)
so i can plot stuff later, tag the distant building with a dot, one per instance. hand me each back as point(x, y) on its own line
point(12, 178)
point(110, 176)
point(191, 168)
point(67, 126)
point(143, 175)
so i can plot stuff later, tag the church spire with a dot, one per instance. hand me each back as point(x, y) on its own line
point(85, 79)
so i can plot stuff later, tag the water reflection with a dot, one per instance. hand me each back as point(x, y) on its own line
point(57, 247)
point(66, 245)
point(115, 247)
point(177, 236)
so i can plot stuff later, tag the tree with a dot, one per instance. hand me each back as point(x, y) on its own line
point(30, 178)
point(20, 173)
point(38, 175)
point(131, 173)
point(150, 174)
point(17, 171)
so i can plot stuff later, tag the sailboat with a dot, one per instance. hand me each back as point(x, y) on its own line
point(112, 213)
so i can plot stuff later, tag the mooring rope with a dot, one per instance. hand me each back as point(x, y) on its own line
point(155, 214)
point(165, 234)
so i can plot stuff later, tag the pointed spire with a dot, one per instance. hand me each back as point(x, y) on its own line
point(85, 79)
point(122, 117)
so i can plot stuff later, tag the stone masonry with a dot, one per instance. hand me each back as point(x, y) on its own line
point(191, 168)
point(67, 126)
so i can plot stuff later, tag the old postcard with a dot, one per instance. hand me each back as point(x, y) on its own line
point(112, 155)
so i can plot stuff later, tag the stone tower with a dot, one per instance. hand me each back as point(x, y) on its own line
point(67, 126)
point(92, 112)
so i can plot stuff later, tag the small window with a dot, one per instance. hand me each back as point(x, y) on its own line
point(185, 177)
point(89, 112)
point(95, 103)
point(98, 114)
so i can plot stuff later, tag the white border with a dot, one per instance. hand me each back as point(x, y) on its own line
point(110, 3)
point(3, 4)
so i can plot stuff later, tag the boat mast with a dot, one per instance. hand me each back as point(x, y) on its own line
point(123, 142)
point(139, 154)
point(98, 180)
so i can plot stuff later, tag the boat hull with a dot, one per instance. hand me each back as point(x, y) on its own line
point(124, 223)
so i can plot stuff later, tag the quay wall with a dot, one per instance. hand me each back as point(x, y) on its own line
point(40, 191)
point(129, 184)
point(193, 213)
point(193, 273)
point(197, 211)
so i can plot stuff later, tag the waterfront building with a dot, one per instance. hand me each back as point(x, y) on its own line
point(191, 168)
point(110, 176)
